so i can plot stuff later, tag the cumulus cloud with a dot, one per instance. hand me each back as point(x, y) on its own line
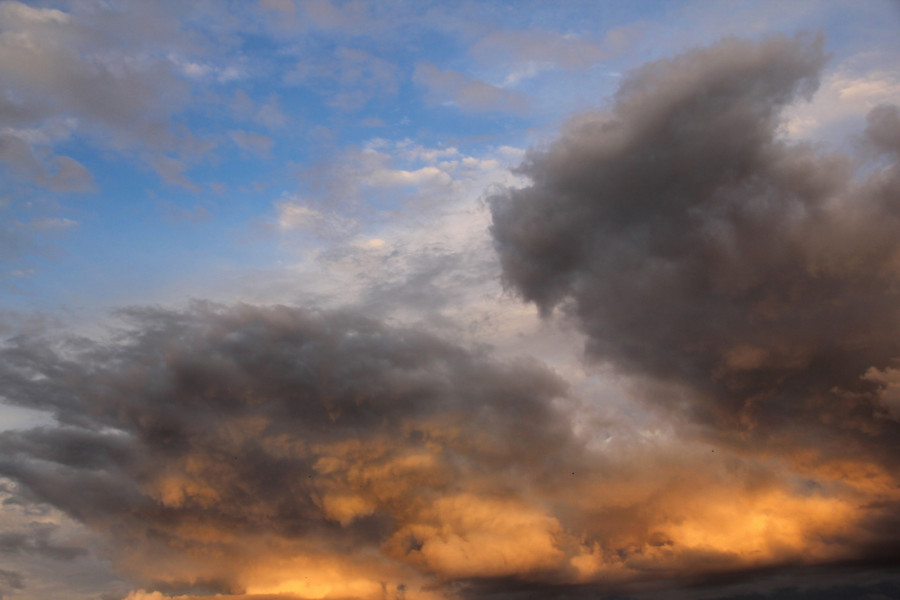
point(277, 432)
point(248, 451)
point(696, 247)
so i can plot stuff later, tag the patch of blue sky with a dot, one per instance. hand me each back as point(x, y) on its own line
point(251, 108)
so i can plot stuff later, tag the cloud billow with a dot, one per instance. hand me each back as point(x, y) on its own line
point(696, 246)
point(207, 445)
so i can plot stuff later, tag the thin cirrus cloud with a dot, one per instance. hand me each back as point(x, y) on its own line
point(528, 53)
point(470, 94)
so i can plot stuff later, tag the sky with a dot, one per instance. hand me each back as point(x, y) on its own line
point(313, 299)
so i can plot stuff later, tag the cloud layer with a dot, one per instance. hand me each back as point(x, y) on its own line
point(251, 451)
point(224, 437)
point(696, 247)
point(744, 286)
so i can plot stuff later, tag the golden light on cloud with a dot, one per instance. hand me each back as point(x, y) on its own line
point(717, 393)
point(314, 577)
point(463, 535)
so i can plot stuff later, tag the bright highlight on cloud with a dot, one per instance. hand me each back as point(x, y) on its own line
point(226, 450)
point(385, 301)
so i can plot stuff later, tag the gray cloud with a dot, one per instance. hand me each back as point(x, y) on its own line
point(37, 539)
point(696, 247)
point(226, 449)
point(10, 581)
point(884, 128)
point(215, 427)
point(117, 76)
point(60, 61)
point(59, 173)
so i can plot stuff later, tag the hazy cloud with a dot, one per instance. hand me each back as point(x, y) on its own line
point(465, 92)
point(10, 581)
point(58, 173)
point(525, 53)
point(350, 78)
point(884, 129)
point(251, 142)
point(61, 63)
point(116, 77)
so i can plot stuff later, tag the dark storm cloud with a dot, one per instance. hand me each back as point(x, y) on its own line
point(697, 247)
point(224, 450)
point(37, 539)
point(884, 128)
point(210, 428)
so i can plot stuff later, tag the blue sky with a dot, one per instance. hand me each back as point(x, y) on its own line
point(153, 144)
point(353, 156)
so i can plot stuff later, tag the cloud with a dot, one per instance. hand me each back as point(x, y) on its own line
point(697, 248)
point(390, 174)
point(469, 94)
point(846, 96)
point(262, 451)
point(353, 17)
point(884, 129)
point(256, 432)
point(117, 77)
point(29, 236)
point(350, 79)
point(526, 53)
point(10, 581)
point(58, 173)
point(37, 540)
point(293, 215)
point(248, 451)
point(271, 116)
point(256, 143)
point(59, 62)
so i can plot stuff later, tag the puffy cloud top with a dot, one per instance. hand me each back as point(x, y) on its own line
point(694, 245)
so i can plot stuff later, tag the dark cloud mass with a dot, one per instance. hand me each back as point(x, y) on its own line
point(698, 247)
point(252, 451)
point(199, 441)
